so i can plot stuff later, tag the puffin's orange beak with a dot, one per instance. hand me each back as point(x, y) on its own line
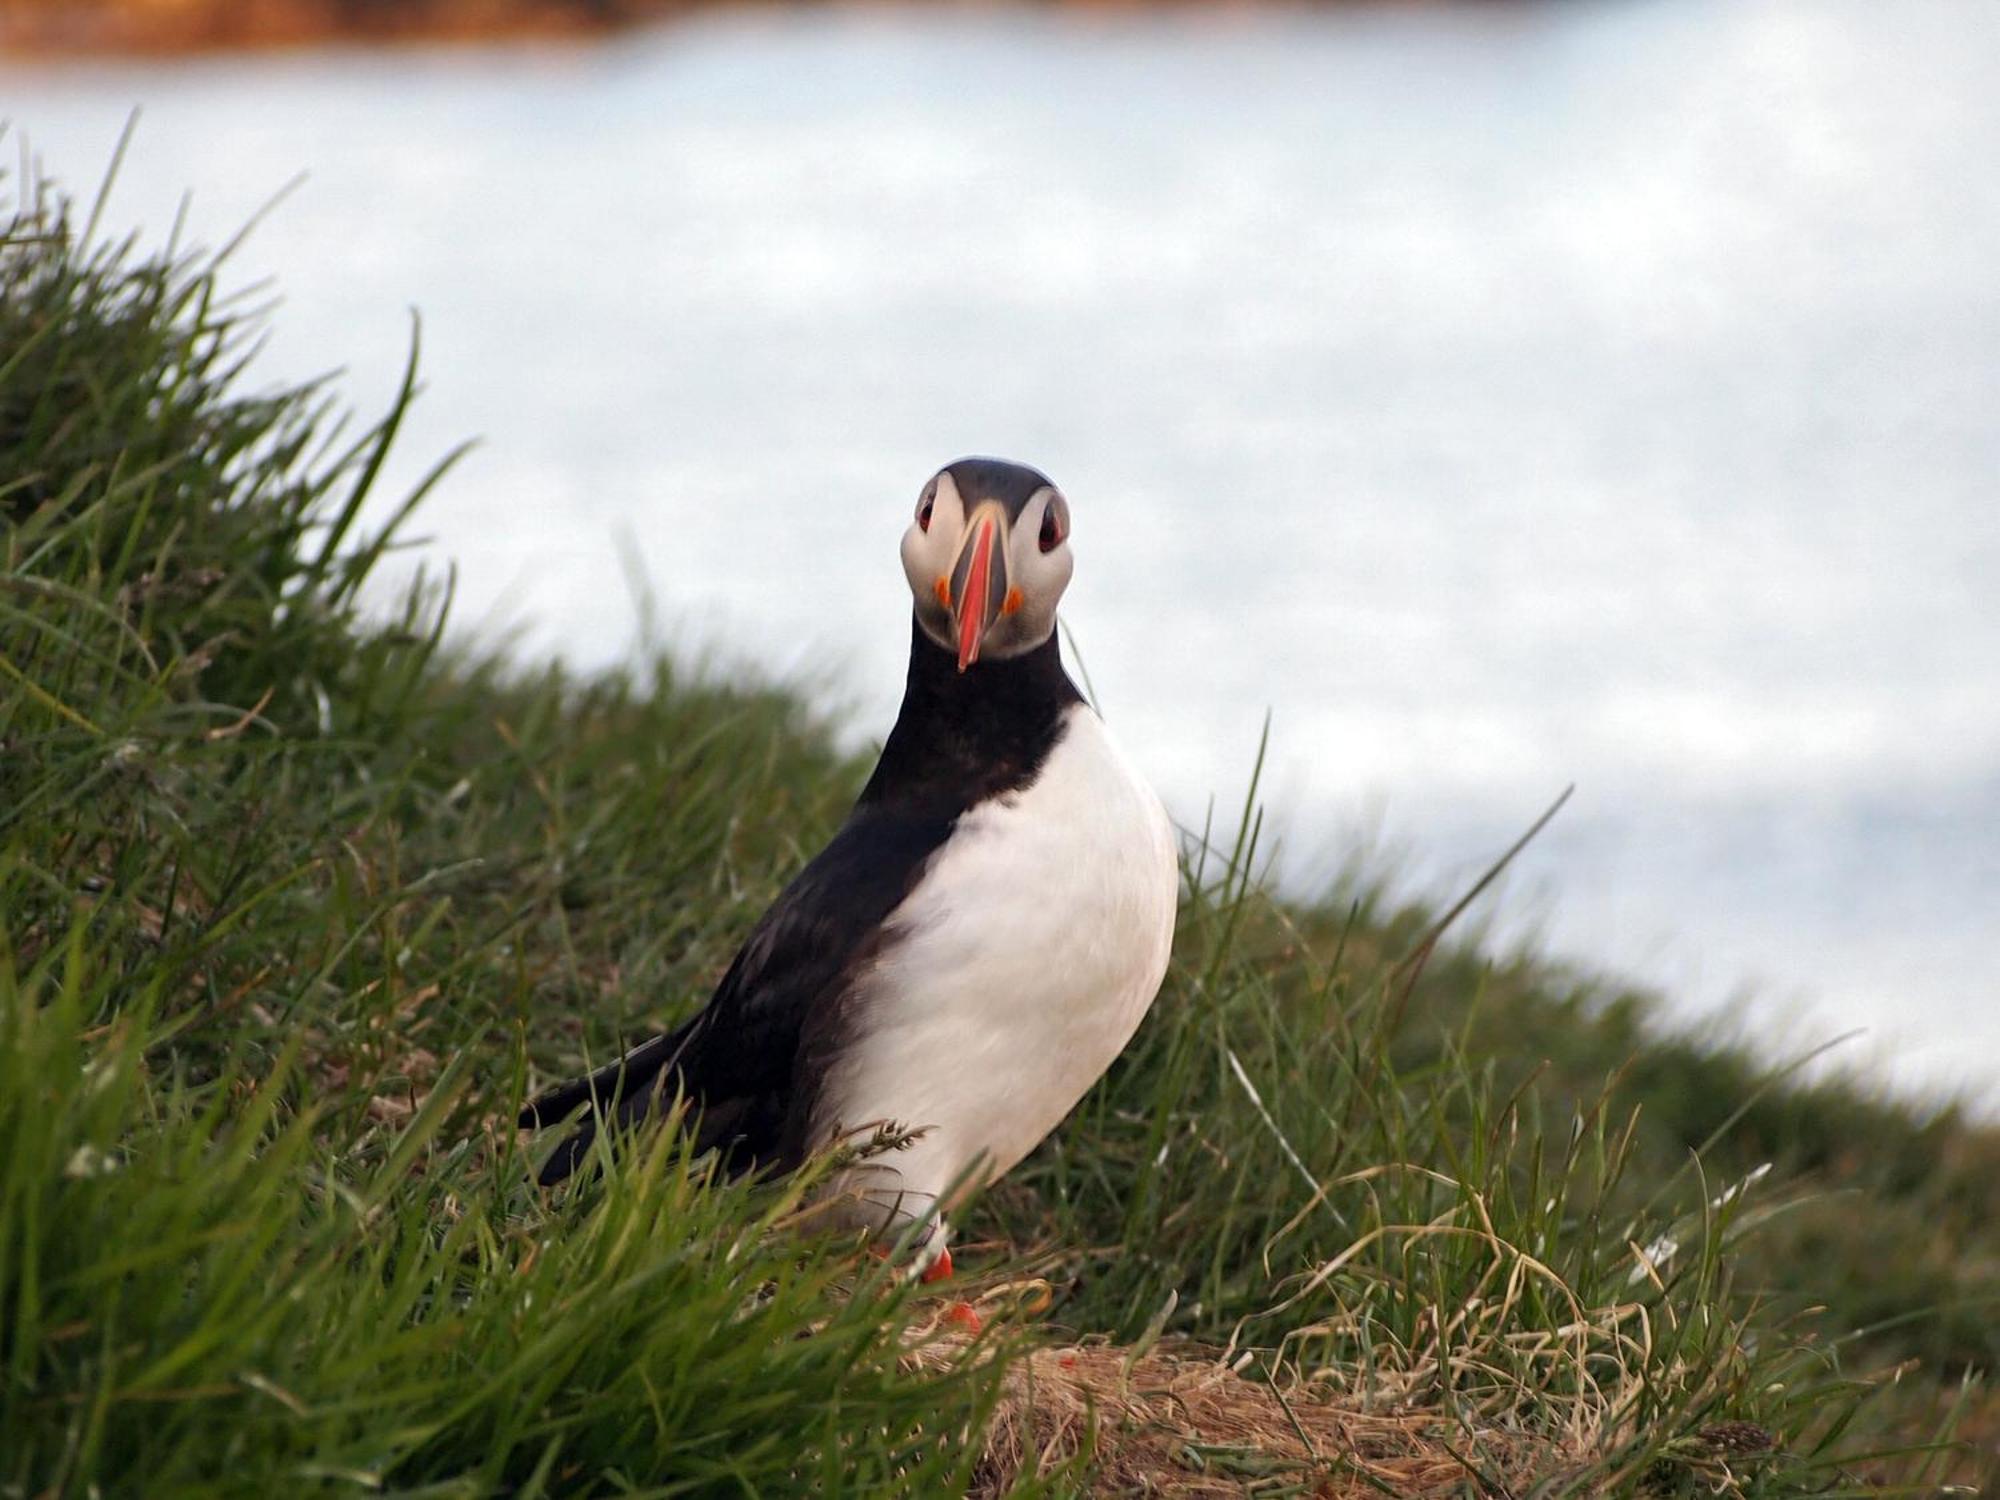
point(979, 583)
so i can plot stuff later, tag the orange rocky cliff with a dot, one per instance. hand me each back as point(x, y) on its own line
point(168, 26)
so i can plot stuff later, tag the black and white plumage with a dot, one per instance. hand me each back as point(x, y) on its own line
point(983, 934)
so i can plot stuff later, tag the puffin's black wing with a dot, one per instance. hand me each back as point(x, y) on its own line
point(746, 1061)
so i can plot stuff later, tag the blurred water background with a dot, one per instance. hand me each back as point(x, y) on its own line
point(1501, 395)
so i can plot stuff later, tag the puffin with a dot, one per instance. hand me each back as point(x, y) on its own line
point(977, 943)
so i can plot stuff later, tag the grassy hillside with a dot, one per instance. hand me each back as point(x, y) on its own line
point(298, 904)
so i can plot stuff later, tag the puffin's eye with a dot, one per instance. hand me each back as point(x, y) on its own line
point(925, 504)
point(1055, 523)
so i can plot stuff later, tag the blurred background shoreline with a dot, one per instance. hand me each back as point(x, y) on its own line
point(162, 28)
point(167, 27)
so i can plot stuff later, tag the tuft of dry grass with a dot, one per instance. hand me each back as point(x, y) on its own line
point(1184, 1420)
point(1179, 1417)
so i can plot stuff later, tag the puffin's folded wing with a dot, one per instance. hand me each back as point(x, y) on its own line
point(751, 1061)
point(782, 1011)
point(609, 1084)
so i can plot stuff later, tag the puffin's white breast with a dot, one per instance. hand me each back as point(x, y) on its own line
point(1016, 971)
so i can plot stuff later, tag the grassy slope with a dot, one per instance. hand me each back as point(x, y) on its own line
point(296, 905)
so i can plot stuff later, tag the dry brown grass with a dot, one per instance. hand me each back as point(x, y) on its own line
point(1182, 1421)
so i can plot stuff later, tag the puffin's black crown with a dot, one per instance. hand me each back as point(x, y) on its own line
point(1013, 485)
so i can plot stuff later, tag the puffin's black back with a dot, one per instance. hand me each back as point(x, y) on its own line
point(751, 1061)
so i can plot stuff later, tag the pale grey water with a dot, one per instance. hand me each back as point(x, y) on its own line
point(1503, 396)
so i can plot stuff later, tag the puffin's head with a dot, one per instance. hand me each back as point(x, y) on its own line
point(987, 558)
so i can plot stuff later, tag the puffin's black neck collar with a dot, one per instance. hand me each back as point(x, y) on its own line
point(965, 736)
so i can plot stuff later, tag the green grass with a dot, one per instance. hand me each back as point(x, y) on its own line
point(299, 902)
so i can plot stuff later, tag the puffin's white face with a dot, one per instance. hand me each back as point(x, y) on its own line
point(986, 581)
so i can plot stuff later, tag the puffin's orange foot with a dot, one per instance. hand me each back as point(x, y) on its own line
point(966, 1315)
point(938, 1269)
